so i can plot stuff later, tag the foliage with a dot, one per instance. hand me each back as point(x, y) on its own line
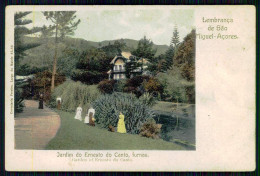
point(109, 106)
point(147, 99)
point(119, 85)
point(92, 67)
point(153, 86)
point(20, 31)
point(150, 129)
point(19, 104)
point(68, 61)
point(26, 69)
point(46, 33)
point(184, 58)
point(106, 86)
point(74, 94)
point(64, 24)
point(42, 83)
point(175, 86)
point(134, 85)
point(159, 65)
point(113, 49)
point(175, 38)
point(130, 66)
point(145, 49)
point(169, 54)
point(20, 47)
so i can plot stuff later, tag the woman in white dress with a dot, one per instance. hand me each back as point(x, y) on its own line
point(78, 113)
point(91, 110)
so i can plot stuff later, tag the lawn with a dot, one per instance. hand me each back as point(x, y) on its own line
point(174, 107)
point(75, 135)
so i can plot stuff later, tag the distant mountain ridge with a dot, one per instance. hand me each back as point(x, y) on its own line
point(82, 44)
point(42, 56)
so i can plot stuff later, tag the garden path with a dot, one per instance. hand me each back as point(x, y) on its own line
point(34, 127)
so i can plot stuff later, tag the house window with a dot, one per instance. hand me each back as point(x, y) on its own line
point(120, 67)
point(116, 76)
point(120, 76)
point(115, 67)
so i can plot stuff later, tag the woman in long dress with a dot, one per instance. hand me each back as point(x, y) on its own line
point(121, 124)
point(89, 119)
point(41, 101)
point(78, 113)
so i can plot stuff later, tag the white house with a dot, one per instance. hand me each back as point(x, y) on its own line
point(118, 65)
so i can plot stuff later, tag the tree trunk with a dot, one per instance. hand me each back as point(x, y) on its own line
point(54, 60)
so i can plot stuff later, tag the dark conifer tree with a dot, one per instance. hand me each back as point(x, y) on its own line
point(20, 47)
point(175, 38)
point(20, 31)
point(169, 57)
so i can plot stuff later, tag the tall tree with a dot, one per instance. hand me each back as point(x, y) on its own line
point(145, 49)
point(169, 56)
point(20, 47)
point(175, 38)
point(184, 57)
point(119, 45)
point(131, 65)
point(64, 23)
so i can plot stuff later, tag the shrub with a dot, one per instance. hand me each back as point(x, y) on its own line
point(176, 87)
point(150, 129)
point(147, 99)
point(119, 85)
point(18, 103)
point(153, 86)
point(73, 94)
point(42, 83)
point(134, 85)
point(108, 107)
point(106, 86)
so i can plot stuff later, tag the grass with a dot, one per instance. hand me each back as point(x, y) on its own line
point(170, 107)
point(75, 135)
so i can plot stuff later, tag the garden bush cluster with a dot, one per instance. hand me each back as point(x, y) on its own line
point(106, 86)
point(74, 94)
point(137, 85)
point(150, 129)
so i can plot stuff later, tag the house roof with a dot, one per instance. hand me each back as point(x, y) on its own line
point(145, 61)
point(124, 54)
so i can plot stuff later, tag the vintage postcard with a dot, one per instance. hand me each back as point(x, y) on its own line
point(130, 88)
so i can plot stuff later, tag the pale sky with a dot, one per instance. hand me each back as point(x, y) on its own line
point(155, 24)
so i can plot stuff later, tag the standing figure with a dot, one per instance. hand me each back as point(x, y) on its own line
point(41, 101)
point(58, 103)
point(89, 119)
point(121, 124)
point(78, 113)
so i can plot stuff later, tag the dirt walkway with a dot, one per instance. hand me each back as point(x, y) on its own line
point(34, 127)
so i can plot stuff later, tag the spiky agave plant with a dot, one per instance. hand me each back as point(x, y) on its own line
point(109, 106)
